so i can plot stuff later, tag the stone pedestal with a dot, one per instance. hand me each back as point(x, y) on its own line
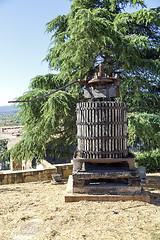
point(105, 180)
point(132, 196)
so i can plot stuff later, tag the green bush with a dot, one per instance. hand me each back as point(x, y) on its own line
point(149, 159)
point(144, 131)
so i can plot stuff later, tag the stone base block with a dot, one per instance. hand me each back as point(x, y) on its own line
point(103, 174)
point(114, 189)
point(101, 180)
point(105, 193)
point(78, 162)
point(110, 198)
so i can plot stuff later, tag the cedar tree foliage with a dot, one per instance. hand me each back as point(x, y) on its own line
point(93, 32)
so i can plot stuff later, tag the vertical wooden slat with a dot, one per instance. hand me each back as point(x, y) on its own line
point(93, 130)
point(87, 130)
point(121, 133)
point(99, 130)
point(82, 120)
point(90, 129)
point(110, 129)
point(83, 127)
point(122, 126)
point(80, 147)
point(110, 141)
point(122, 130)
point(86, 120)
point(80, 127)
point(103, 129)
point(122, 120)
point(96, 120)
point(110, 126)
point(116, 130)
point(106, 129)
point(119, 128)
point(77, 121)
point(125, 133)
point(113, 110)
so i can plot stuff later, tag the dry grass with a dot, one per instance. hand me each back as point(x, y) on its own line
point(38, 211)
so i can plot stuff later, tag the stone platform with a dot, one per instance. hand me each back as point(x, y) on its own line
point(119, 195)
point(105, 182)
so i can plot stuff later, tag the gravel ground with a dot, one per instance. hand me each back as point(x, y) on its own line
point(38, 211)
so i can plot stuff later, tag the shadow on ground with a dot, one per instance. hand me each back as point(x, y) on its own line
point(7, 189)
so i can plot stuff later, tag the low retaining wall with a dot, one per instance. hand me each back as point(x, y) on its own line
point(35, 175)
point(64, 170)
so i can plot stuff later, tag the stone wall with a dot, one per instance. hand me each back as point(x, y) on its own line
point(34, 175)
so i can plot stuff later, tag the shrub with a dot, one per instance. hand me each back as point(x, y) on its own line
point(149, 159)
point(144, 131)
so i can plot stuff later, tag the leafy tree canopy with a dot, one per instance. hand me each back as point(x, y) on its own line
point(48, 122)
point(127, 43)
point(94, 31)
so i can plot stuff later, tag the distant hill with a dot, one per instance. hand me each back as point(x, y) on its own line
point(8, 110)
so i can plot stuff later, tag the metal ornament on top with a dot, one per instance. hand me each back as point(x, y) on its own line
point(101, 86)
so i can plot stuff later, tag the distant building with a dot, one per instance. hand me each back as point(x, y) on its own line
point(11, 129)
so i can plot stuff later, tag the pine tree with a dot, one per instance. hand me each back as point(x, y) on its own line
point(94, 31)
point(126, 43)
point(49, 123)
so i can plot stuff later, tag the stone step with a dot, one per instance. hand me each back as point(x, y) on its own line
point(105, 188)
point(105, 174)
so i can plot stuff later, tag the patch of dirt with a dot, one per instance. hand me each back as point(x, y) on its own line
point(38, 211)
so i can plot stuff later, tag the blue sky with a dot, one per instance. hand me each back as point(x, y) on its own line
point(24, 43)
